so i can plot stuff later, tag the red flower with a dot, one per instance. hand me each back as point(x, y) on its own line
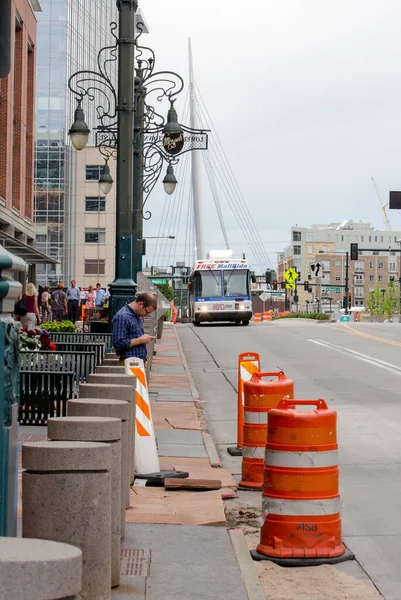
point(52, 346)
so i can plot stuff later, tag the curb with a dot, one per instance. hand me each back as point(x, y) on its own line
point(210, 446)
point(252, 585)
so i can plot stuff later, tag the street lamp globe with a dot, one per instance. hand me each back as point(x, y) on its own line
point(169, 181)
point(106, 180)
point(79, 132)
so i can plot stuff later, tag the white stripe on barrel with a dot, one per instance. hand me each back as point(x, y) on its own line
point(252, 452)
point(301, 460)
point(302, 508)
point(255, 418)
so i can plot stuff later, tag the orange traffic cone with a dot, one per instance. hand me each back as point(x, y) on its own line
point(259, 397)
point(301, 502)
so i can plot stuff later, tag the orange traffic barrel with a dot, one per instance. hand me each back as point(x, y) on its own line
point(301, 501)
point(257, 317)
point(259, 397)
point(267, 316)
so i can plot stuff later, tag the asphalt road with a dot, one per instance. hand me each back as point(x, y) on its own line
point(356, 368)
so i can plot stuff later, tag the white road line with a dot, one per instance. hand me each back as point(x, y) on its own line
point(377, 362)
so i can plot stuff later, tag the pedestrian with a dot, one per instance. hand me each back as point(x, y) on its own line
point(30, 297)
point(129, 337)
point(91, 298)
point(45, 302)
point(59, 303)
point(99, 296)
point(73, 301)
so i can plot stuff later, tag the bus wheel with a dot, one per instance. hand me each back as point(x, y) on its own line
point(196, 323)
point(245, 322)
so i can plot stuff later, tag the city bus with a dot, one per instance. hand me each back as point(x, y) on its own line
point(220, 290)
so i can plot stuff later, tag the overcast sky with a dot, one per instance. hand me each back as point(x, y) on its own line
point(305, 96)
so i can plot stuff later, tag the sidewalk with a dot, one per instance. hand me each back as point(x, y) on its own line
point(177, 541)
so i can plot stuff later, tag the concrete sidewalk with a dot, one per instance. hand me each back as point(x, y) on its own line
point(177, 545)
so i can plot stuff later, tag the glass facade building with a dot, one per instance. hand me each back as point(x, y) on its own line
point(69, 37)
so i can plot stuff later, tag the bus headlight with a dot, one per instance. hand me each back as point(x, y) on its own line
point(204, 308)
point(242, 306)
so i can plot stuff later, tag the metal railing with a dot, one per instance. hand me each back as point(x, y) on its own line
point(44, 394)
point(81, 363)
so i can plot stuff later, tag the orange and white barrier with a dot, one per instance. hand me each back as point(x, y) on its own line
point(259, 398)
point(267, 316)
point(146, 457)
point(257, 317)
point(301, 501)
point(248, 365)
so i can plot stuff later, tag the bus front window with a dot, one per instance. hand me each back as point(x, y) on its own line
point(236, 283)
point(210, 284)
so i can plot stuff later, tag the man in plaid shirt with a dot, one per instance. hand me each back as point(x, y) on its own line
point(129, 338)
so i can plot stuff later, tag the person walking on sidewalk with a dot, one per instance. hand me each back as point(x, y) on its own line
point(99, 296)
point(129, 337)
point(73, 301)
point(45, 302)
point(59, 303)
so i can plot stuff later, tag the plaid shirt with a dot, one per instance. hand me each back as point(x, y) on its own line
point(126, 325)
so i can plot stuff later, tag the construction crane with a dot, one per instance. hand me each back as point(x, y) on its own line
point(387, 223)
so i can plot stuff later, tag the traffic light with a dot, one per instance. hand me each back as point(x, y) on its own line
point(344, 301)
point(306, 286)
point(268, 276)
point(349, 300)
point(275, 284)
point(296, 299)
point(354, 251)
point(282, 285)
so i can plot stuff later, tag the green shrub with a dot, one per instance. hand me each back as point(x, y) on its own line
point(58, 326)
point(315, 316)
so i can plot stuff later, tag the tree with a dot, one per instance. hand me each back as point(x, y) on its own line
point(166, 290)
point(391, 303)
point(376, 301)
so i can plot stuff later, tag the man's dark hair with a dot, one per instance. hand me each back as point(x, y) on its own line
point(98, 284)
point(147, 299)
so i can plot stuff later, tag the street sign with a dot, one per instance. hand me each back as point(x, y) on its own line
point(290, 286)
point(291, 275)
point(278, 294)
point(161, 281)
point(316, 269)
point(264, 296)
point(334, 289)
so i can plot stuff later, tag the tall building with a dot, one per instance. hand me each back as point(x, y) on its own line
point(17, 97)
point(327, 245)
point(70, 35)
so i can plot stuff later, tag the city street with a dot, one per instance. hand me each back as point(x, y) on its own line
point(356, 368)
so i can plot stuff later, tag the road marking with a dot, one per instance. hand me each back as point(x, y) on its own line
point(367, 335)
point(377, 362)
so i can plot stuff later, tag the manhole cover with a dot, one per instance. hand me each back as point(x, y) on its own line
point(134, 562)
point(32, 437)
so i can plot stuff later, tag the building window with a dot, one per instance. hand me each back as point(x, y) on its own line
point(338, 278)
point(359, 277)
point(338, 263)
point(375, 252)
point(93, 172)
point(309, 236)
point(95, 267)
point(326, 265)
point(359, 266)
point(375, 238)
point(296, 236)
point(361, 238)
point(381, 238)
point(95, 203)
point(371, 277)
point(391, 266)
point(95, 236)
point(371, 265)
point(380, 278)
point(310, 249)
point(379, 265)
point(297, 250)
point(359, 292)
point(325, 249)
point(370, 238)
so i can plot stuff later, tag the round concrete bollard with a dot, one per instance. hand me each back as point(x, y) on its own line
point(39, 570)
point(66, 497)
point(91, 406)
point(112, 369)
point(98, 429)
point(117, 392)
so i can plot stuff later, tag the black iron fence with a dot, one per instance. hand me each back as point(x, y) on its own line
point(44, 394)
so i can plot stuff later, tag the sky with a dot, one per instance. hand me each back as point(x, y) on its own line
point(305, 96)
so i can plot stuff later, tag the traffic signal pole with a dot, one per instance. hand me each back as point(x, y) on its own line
point(346, 290)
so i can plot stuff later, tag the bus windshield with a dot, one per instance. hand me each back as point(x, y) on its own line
point(210, 284)
point(236, 282)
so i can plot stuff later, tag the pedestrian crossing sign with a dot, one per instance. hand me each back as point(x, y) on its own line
point(290, 275)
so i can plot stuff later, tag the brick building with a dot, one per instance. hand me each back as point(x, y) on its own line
point(17, 109)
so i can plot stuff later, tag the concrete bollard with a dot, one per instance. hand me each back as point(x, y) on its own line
point(114, 369)
point(98, 429)
point(111, 355)
point(39, 570)
point(66, 497)
point(100, 407)
point(111, 362)
point(116, 384)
